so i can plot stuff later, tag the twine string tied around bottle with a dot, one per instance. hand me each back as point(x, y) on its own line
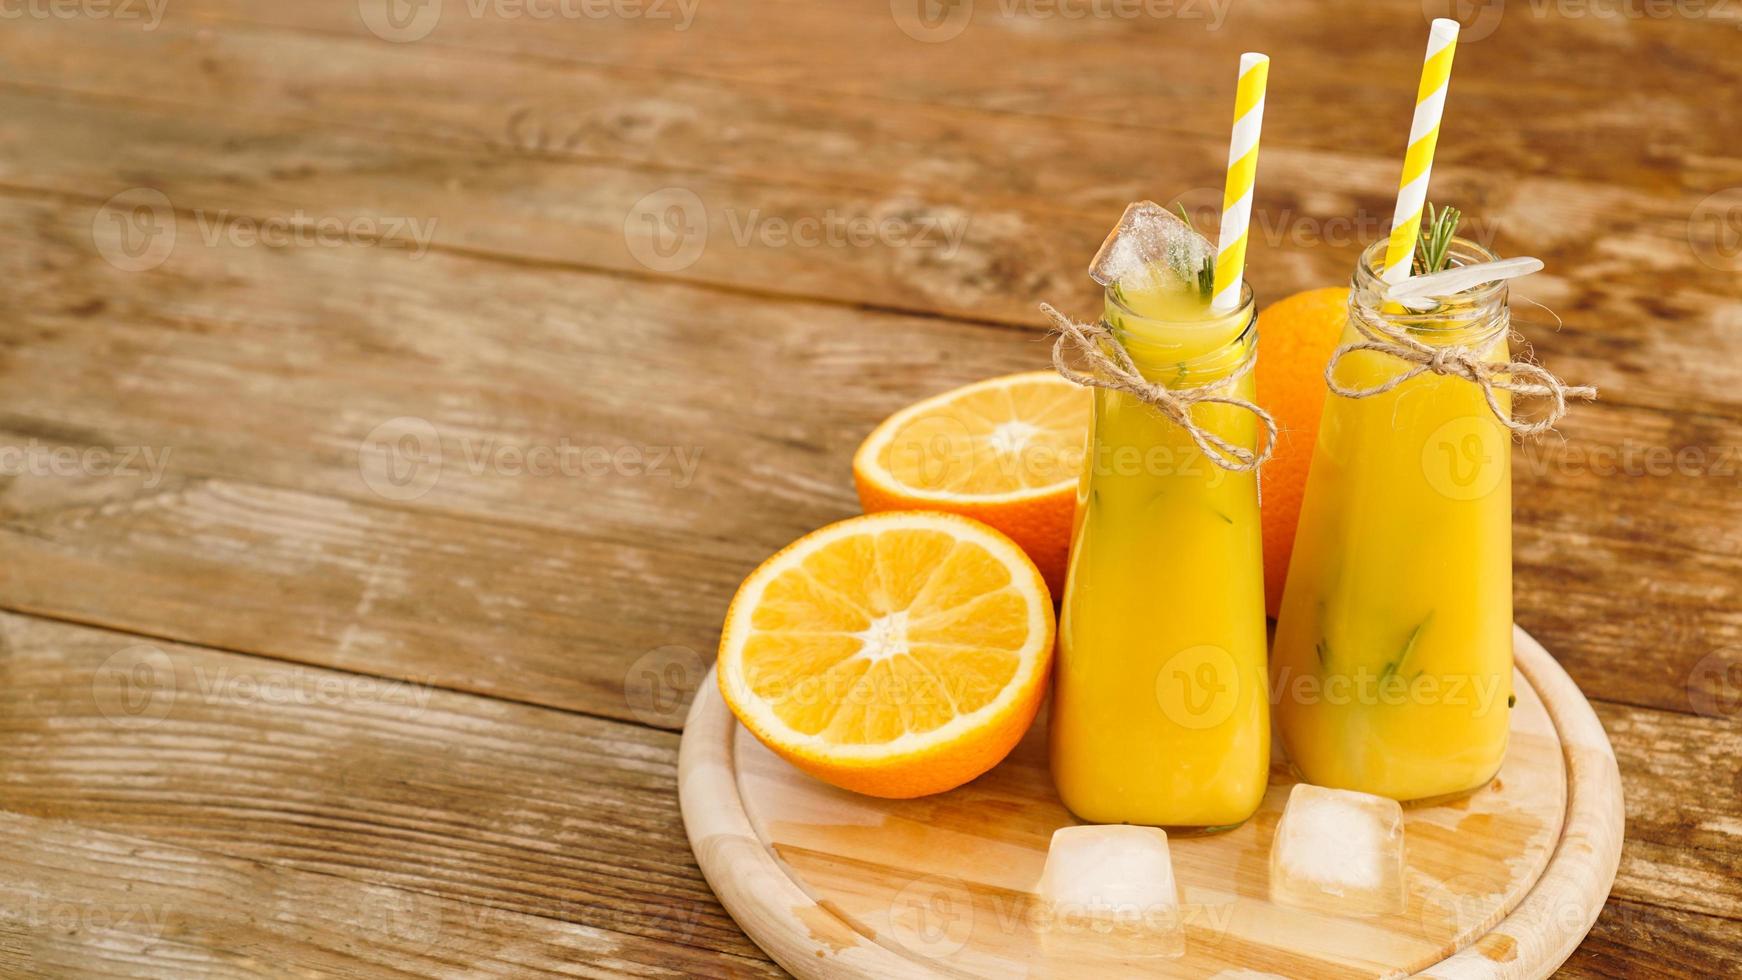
point(1521, 378)
point(1108, 365)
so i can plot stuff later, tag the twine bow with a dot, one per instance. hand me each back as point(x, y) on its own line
point(1521, 378)
point(1111, 367)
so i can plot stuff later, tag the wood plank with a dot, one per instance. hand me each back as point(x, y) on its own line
point(438, 599)
point(663, 120)
point(75, 902)
point(1633, 940)
point(476, 802)
point(494, 609)
point(1683, 781)
point(1611, 249)
point(102, 358)
point(900, 249)
point(407, 97)
point(525, 811)
point(1168, 74)
point(1612, 302)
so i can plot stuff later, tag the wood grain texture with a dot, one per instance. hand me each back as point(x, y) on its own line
point(1013, 249)
point(258, 373)
point(226, 324)
point(1512, 66)
point(1543, 930)
point(1681, 821)
point(1498, 885)
point(1634, 940)
point(507, 811)
point(356, 788)
point(77, 902)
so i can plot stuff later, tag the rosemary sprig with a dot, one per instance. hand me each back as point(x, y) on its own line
point(1434, 244)
point(1396, 666)
point(1205, 273)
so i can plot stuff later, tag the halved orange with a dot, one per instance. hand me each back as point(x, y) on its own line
point(894, 654)
point(1006, 451)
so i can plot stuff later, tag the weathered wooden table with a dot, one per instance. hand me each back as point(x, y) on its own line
point(393, 397)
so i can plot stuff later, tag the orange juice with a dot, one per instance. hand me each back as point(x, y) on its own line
point(1159, 713)
point(1392, 669)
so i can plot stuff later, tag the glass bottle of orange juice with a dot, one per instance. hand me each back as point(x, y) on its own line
point(1392, 667)
point(1159, 713)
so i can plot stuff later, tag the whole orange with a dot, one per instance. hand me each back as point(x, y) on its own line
point(1296, 335)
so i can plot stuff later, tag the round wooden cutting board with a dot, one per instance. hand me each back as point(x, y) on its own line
point(1503, 883)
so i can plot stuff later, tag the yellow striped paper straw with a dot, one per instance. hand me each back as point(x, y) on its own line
point(1242, 174)
point(1418, 161)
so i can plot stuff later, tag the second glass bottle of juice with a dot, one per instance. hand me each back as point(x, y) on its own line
point(1393, 659)
point(1159, 714)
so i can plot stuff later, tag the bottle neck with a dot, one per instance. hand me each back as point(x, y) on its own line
point(1183, 348)
point(1474, 318)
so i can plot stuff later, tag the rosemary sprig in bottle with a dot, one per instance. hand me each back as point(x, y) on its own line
point(1205, 273)
point(1434, 245)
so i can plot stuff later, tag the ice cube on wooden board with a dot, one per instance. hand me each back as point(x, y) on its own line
point(1338, 851)
point(1102, 880)
point(1151, 248)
